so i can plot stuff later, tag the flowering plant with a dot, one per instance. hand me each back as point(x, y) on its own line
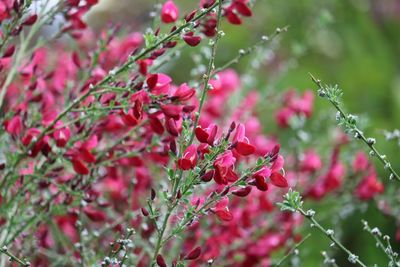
point(108, 160)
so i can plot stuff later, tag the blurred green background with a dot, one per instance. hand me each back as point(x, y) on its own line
point(353, 43)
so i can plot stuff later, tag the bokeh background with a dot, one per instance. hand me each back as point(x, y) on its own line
point(354, 43)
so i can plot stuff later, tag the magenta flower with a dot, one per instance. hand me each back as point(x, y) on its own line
point(224, 168)
point(241, 143)
point(169, 12)
point(206, 136)
point(189, 158)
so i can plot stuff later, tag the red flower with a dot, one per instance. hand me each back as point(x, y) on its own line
point(278, 180)
point(13, 126)
point(183, 93)
point(160, 261)
point(170, 126)
point(80, 167)
point(94, 214)
point(260, 178)
point(224, 215)
point(191, 39)
point(224, 165)
point(194, 254)
point(134, 115)
point(207, 135)
point(158, 83)
point(61, 136)
point(369, 187)
point(242, 9)
point(233, 17)
point(9, 51)
point(81, 153)
point(311, 162)
point(222, 211)
point(169, 12)
point(189, 159)
point(156, 125)
point(172, 111)
point(5, 8)
point(241, 142)
point(30, 20)
point(360, 162)
point(242, 192)
point(283, 117)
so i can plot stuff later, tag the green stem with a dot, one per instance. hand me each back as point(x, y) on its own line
point(292, 251)
point(14, 258)
point(379, 243)
point(248, 51)
point(207, 75)
point(331, 237)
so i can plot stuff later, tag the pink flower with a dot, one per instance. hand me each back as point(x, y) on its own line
point(295, 105)
point(158, 83)
point(360, 162)
point(241, 142)
point(242, 8)
point(61, 135)
point(369, 187)
point(283, 117)
point(278, 161)
point(183, 92)
point(226, 82)
point(134, 115)
point(260, 178)
point(94, 214)
point(172, 111)
point(14, 125)
point(278, 180)
point(156, 125)
point(222, 211)
point(334, 177)
point(224, 165)
point(30, 134)
point(189, 158)
point(80, 167)
point(171, 127)
point(206, 136)
point(311, 162)
point(169, 12)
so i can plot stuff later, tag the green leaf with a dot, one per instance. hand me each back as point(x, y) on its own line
point(150, 39)
point(291, 201)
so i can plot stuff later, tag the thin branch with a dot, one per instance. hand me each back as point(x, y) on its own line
point(292, 251)
point(376, 233)
point(329, 234)
point(13, 258)
point(370, 142)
